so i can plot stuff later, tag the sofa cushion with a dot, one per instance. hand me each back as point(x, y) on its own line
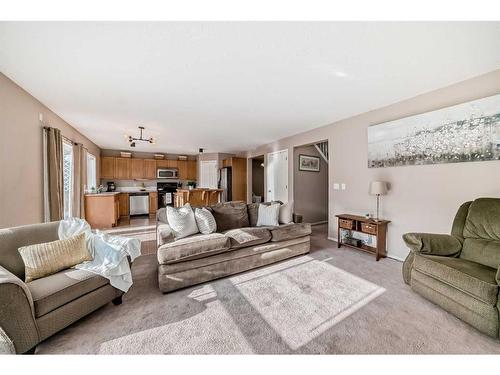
point(244, 237)
point(205, 220)
point(482, 219)
point(182, 221)
point(472, 278)
point(486, 252)
point(253, 213)
point(286, 213)
point(268, 215)
point(47, 258)
point(193, 247)
point(230, 215)
point(58, 289)
point(290, 231)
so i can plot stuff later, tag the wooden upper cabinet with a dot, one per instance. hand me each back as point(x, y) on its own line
point(137, 168)
point(107, 167)
point(183, 169)
point(192, 167)
point(150, 169)
point(122, 168)
point(172, 164)
point(162, 163)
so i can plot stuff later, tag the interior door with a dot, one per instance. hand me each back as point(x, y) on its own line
point(277, 176)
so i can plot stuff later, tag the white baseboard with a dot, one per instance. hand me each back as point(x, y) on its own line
point(320, 222)
point(388, 255)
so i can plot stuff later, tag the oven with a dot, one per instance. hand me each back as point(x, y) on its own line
point(167, 173)
point(166, 192)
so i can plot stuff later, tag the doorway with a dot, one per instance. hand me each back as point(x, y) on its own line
point(277, 176)
point(258, 187)
point(310, 182)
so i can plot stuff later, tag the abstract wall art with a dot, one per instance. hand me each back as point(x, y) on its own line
point(461, 133)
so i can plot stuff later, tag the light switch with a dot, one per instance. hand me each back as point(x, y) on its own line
point(343, 186)
point(336, 186)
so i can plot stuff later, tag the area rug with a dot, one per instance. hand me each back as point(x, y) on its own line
point(331, 301)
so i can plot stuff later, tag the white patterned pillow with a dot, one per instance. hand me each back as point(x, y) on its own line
point(286, 213)
point(182, 221)
point(268, 215)
point(205, 220)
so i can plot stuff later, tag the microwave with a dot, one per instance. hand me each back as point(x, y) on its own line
point(167, 173)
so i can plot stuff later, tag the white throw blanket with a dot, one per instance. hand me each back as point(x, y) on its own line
point(109, 252)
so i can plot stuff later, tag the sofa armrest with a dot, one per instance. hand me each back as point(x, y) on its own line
point(498, 276)
point(433, 244)
point(164, 234)
point(17, 315)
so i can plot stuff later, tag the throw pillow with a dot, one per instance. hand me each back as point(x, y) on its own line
point(205, 220)
point(268, 215)
point(45, 259)
point(182, 221)
point(230, 215)
point(286, 213)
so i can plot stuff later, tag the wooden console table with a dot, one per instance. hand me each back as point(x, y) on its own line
point(361, 224)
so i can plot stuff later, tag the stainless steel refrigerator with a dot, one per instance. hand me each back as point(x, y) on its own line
point(225, 181)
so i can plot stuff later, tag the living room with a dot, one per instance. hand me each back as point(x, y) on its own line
point(263, 187)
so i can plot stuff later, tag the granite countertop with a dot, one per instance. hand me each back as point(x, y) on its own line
point(104, 194)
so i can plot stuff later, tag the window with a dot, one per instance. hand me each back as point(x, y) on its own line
point(67, 177)
point(91, 172)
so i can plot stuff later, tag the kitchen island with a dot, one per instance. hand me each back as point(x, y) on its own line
point(102, 210)
point(197, 197)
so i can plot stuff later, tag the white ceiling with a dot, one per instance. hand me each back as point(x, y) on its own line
point(233, 86)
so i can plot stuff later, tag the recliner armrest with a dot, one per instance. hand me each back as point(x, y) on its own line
point(433, 244)
point(17, 315)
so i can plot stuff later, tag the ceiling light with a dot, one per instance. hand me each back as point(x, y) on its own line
point(132, 140)
point(340, 74)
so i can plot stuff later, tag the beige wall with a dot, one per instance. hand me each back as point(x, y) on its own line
point(21, 188)
point(422, 198)
point(310, 189)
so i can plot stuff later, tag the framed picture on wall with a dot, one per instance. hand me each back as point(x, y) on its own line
point(308, 163)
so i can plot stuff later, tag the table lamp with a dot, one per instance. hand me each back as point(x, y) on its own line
point(378, 188)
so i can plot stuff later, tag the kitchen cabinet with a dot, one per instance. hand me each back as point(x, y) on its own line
point(192, 168)
point(239, 177)
point(183, 169)
point(102, 210)
point(172, 164)
point(136, 168)
point(123, 198)
point(107, 167)
point(162, 163)
point(150, 169)
point(153, 202)
point(122, 168)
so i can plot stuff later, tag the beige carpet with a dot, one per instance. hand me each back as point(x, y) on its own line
point(330, 301)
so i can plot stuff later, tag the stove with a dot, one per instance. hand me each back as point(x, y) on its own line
point(166, 192)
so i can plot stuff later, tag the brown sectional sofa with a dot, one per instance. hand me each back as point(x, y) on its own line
point(237, 246)
point(31, 312)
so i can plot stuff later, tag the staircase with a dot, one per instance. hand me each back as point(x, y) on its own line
point(322, 148)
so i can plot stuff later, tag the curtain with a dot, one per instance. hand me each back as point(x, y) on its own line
point(79, 180)
point(53, 174)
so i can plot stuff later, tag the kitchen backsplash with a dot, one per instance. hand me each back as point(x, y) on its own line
point(126, 185)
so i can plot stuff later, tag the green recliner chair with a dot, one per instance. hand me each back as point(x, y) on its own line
point(460, 272)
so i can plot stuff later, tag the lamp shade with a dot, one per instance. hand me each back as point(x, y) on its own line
point(378, 188)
